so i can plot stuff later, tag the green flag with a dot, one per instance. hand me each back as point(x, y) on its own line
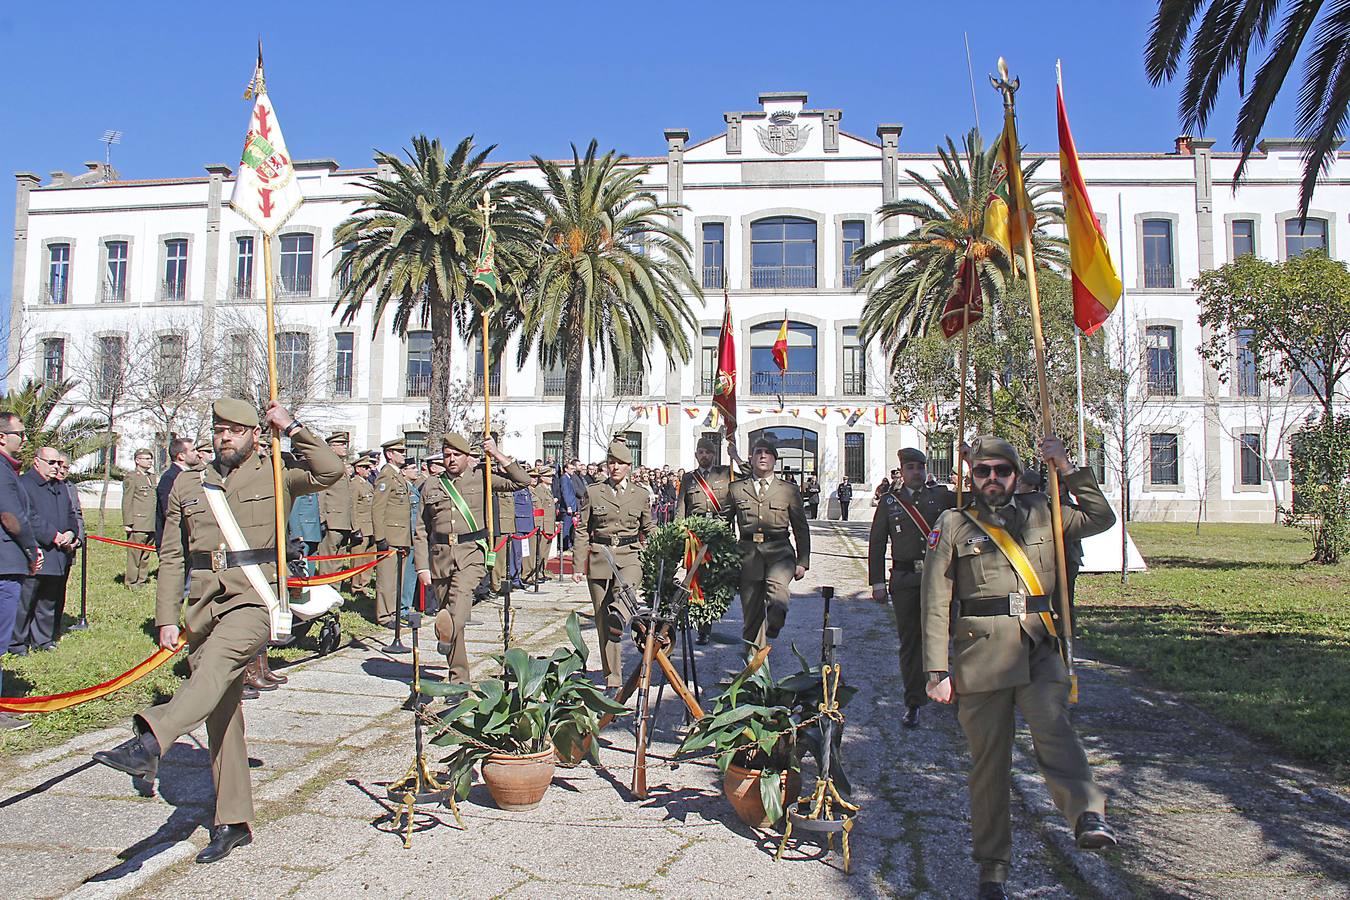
point(485, 272)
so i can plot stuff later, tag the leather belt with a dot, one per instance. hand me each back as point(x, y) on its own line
point(467, 538)
point(614, 542)
point(760, 537)
point(1002, 606)
point(908, 565)
point(218, 560)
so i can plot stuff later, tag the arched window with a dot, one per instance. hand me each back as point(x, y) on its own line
point(1302, 235)
point(798, 448)
point(765, 376)
point(783, 253)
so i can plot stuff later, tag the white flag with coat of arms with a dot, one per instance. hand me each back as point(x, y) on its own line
point(266, 191)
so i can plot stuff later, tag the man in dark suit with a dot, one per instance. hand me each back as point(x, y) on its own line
point(20, 555)
point(43, 599)
point(182, 456)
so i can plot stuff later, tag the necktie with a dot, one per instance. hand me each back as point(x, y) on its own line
point(763, 487)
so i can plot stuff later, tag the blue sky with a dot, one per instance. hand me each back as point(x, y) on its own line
point(531, 77)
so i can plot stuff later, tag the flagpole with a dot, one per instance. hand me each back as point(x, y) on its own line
point(1082, 426)
point(1007, 87)
point(269, 301)
point(490, 500)
point(965, 365)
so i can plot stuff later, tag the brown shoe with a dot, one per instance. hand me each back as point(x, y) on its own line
point(253, 677)
point(268, 674)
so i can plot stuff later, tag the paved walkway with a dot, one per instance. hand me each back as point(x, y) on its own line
point(1203, 813)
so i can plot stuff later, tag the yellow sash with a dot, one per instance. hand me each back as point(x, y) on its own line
point(1013, 552)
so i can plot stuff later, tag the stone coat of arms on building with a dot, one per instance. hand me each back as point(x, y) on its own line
point(783, 136)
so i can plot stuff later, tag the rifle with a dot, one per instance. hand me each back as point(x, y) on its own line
point(644, 693)
point(624, 591)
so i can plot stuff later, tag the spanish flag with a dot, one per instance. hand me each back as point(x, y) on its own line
point(1096, 286)
point(663, 415)
point(780, 346)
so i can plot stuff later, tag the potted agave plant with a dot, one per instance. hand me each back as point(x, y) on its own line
point(509, 725)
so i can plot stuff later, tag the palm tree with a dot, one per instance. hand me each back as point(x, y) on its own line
point(414, 241)
point(608, 279)
point(910, 276)
point(1221, 40)
point(39, 405)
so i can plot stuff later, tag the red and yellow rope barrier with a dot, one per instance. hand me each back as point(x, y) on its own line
point(73, 698)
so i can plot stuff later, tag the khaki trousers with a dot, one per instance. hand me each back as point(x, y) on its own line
point(361, 582)
point(138, 561)
point(907, 606)
point(765, 594)
point(539, 550)
point(453, 597)
point(386, 587)
point(333, 543)
point(212, 694)
point(987, 719)
point(609, 603)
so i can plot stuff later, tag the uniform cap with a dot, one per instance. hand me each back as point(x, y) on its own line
point(619, 452)
point(707, 444)
point(238, 412)
point(764, 445)
point(142, 452)
point(205, 447)
point(911, 454)
point(395, 444)
point(453, 440)
point(987, 446)
point(339, 436)
point(363, 461)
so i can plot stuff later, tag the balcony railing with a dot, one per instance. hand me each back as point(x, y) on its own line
point(418, 386)
point(1160, 276)
point(851, 274)
point(713, 276)
point(555, 385)
point(494, 384)
point(626, 385)
point(173, 290)
point(783, 277)
point(855, 384)
point(112, 292)
point(1162, 384)
point(56, 291)
point(241, 289)
point(706, 382)
point(296, 285)
point(342, 385)
point(791, 383)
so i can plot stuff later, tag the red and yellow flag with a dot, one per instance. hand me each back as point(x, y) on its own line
point(1008, 210)
point(965, 303)
point(1096, 285)
point(780, 346)
point(724, 389)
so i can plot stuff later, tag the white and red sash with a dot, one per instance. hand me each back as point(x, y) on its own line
point(707, 489)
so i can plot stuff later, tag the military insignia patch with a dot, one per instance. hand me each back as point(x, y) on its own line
point(381, 487)
point(933, 537)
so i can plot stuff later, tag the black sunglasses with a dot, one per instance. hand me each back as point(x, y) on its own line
point(1002, 470)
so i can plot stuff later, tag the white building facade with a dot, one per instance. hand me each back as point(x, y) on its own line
point(163, 269)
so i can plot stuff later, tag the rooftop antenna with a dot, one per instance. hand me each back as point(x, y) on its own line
point(109, 138)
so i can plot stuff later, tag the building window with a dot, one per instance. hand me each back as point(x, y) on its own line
point(552, 446)
point(714, 258)
point(242, 288)
point(855, 364)
point(110, 355)
point(798, 448)
point(494, 377)
point(169, 365)
point(344, 344)
point(1249, 448)
point(1096, 454)
point(765, 377)
point(1159, 270)
point(783, 253)
point(1161, 344)
point(293, 361)
point(940, 456)
point(418, 377)
point(555, 379)
point(107, 453)
point(115, 278)
point(1162, 459)
point(345, 264)
point(175, 269)
point(58, 273)
point(854, 233)
point(634, 441)
point(239, 365)
point(707, 360)
point(53, 360)
point(855, 457)
point(628, 379)
point(297, 264)
point(416, 444)
point(1244, 237)
point(1304, 378)
point(1248, 379)
point(1302, 235)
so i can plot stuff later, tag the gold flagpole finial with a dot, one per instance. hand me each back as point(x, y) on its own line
point(1003, 84)
point(258, 84)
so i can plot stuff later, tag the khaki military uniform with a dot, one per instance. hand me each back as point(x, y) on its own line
point(393, 524)
point(335, 511)
point(1001, 662)
point(765, 514)
point(452, 549)
point(694, 500)
point(893, 526)
point(616, 516)
point(545, 523)
point(138, 514)
point(226, 621)
point(363, 521)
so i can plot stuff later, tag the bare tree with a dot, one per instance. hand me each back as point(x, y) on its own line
point(241, 362)
point(610, 412)
point(105, 374)
point(175, 385)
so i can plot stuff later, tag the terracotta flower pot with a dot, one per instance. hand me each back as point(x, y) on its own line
point(519, 782)
point(579, 751)
point(742, 788)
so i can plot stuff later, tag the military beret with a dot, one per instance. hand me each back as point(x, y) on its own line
point(619, 452)
point(707, 444)
point(911, 454)
point(764, 445)
point(394, 444)
point(987, 446)
point(453, 440)
point(239, 412)
point(337, 437)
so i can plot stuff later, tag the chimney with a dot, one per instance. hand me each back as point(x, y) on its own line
point(58, 177)
point(1184, 145)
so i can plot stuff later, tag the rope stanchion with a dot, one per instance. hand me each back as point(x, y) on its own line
point(55, 702)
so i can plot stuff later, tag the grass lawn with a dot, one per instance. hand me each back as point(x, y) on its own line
point(1236, 620)
point(120, 634)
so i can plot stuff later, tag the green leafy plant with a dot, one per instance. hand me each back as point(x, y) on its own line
point(719, 575)
point(539, 702)
point(1321, 459)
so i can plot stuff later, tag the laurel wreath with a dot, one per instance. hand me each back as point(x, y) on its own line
point(719, 575)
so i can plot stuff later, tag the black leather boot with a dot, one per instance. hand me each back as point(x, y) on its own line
point(224, 838)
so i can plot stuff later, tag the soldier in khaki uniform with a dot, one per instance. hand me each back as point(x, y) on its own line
point(335, 511)
point(226, 621)
point(393, 527)
point(1006, 654)
point(904, 518)
point(545, 522)
point(704, 490)
point(363, 517)
point(138, 516)
point(765, 509)
point(450, 543)
point(617, 514)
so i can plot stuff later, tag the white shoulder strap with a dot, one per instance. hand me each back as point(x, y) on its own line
point(278, 609)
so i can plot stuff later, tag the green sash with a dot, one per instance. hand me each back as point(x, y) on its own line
point(463, 507)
